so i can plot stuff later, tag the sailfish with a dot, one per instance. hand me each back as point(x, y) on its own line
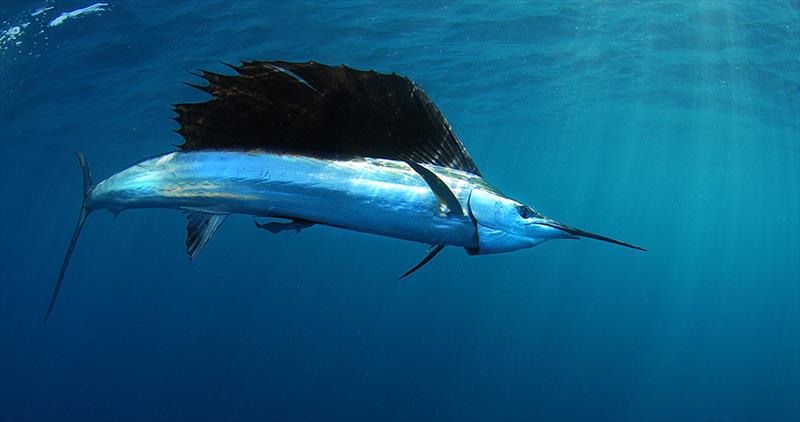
point(304, 144)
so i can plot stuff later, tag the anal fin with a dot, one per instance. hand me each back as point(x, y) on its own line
point(199, 230)
point(432, 252)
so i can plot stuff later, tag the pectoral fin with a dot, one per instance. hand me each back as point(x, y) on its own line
point(433, 251)
point(199, 230)
point(439, 188)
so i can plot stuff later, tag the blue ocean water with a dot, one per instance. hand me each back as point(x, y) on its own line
point(674, 125)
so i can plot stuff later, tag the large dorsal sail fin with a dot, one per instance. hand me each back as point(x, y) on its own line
point(315, 109)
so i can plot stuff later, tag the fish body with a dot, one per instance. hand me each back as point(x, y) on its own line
point(318, 144)
point(378, 196)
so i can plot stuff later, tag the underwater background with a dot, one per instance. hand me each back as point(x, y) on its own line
point(672, 125)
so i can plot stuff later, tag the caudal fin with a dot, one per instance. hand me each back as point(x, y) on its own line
point(87, 190)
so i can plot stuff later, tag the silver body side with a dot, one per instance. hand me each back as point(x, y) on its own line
point(377, 196)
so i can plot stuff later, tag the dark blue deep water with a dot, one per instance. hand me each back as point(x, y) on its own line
point(674, 125)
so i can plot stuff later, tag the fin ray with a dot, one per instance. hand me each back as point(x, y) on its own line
point(199, 230)
point(319, 110)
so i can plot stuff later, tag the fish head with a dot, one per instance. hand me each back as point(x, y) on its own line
point(505, 225)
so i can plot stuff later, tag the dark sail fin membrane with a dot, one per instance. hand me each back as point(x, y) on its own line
point(319, 110)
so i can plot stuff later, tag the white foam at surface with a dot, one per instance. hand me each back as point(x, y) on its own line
point(11, 33)
point(41, 10)
point(95, 8)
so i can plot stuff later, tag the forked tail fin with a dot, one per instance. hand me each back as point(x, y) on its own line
point(87, 190)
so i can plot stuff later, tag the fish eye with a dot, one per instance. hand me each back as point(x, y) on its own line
point(524, 212)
